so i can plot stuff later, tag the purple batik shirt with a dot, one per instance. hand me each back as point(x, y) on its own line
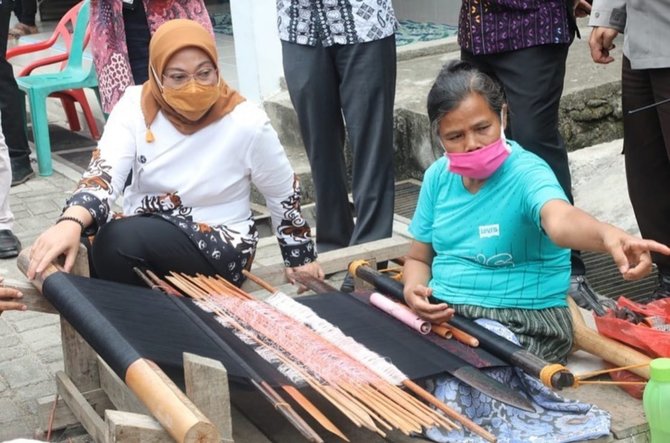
point(495, 26)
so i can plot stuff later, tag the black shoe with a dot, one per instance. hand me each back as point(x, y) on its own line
point(21, 171)
point(10, 246)
point(347, 284)
point(585, 297)
point(663, 290)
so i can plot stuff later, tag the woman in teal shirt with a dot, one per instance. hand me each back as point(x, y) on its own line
point(493, 228)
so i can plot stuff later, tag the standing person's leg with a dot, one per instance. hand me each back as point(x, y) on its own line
point(28, 12)
point(25, 11)
point(313, 85)
point(10, 105)
point(138, 36)
point(647, 153)
point(9, 244)
point(18, 9)
point(533, 82)
point(367, 90)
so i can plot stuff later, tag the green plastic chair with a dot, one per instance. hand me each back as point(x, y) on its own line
point(38, 87)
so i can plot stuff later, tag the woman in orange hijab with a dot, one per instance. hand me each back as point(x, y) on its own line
point(183, 149)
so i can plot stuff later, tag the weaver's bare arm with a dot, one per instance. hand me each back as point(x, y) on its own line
point(416, 274)
point(573, 228)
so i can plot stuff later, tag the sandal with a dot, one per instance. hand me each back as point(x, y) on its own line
point(21, 29)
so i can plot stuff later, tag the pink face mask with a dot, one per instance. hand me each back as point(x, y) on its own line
point(480, 163)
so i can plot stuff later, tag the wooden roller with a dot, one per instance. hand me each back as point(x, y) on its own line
point(166, 402)
point(609, 350)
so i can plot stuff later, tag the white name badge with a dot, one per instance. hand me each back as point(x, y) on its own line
point(489, 231)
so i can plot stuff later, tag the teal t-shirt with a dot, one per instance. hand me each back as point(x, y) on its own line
point(490, 248)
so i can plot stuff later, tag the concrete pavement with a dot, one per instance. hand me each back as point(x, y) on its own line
point(30, 345)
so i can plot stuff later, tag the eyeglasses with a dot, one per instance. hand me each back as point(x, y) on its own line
point(204, 76)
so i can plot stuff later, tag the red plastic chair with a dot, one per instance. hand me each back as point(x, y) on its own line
point(62, 32)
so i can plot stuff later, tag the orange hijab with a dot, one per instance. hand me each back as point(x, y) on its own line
point(169, 38)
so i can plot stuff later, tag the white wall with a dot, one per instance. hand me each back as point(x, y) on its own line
point(257, 47)
point(431, 11)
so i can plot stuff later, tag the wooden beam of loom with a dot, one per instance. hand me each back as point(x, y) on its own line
point(337, 260)
point(610, 350)
point(32, 291)
point(178, 415)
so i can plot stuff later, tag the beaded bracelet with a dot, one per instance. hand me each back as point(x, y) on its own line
point(74, 219)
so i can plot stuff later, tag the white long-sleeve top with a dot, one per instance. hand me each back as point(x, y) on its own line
point(201, 181)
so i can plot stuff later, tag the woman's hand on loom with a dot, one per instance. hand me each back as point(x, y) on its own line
point(632, 254)
point(313, 269)
point(61, 238)
point(417, 299)
point(9, 299)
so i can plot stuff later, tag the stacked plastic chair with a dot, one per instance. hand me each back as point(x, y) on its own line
point(67, 84)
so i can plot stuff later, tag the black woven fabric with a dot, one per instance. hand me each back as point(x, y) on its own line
point(123, 323)
point(415, 356)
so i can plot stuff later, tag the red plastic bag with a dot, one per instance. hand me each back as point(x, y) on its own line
point(655, 343)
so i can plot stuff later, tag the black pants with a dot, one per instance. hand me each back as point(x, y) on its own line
point(348, 87)
point(13, 126)
point(153, 243)
point(137, 40)
point(647, 152)
point(25, 11)
point(532, 79)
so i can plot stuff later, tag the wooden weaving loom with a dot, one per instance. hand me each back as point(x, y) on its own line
point(90, 390)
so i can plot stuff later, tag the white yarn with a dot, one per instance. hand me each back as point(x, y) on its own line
point(301, 313)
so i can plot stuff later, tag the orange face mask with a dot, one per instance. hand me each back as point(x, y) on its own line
point(192, 100)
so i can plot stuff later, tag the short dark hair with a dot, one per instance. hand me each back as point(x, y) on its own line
point(455, 82)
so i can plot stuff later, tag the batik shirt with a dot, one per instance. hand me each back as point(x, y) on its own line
point(495, 26)
point(334, 22)
point(201, 182)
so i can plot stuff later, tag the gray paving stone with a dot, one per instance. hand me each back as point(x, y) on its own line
point(18, 428)
point(23, 371)
point(42, 185)
point(52, 354)
point(18, 350)
point(26, 324)
point(9, 341)
point(55, 366)
point(42, 338)
point(8, 411)
point(36, 223)
point(27, 394)
point(5, 328)
point(20, 213)
point(11, 317)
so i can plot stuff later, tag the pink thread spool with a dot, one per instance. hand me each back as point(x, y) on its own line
point(400, 312)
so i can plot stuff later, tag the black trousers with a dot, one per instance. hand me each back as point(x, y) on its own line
point(338, 90)
point(532, 79)
point(25, 11)
point(13, 126)
point(137, 41)
point(150, 242)
point(647, 152)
